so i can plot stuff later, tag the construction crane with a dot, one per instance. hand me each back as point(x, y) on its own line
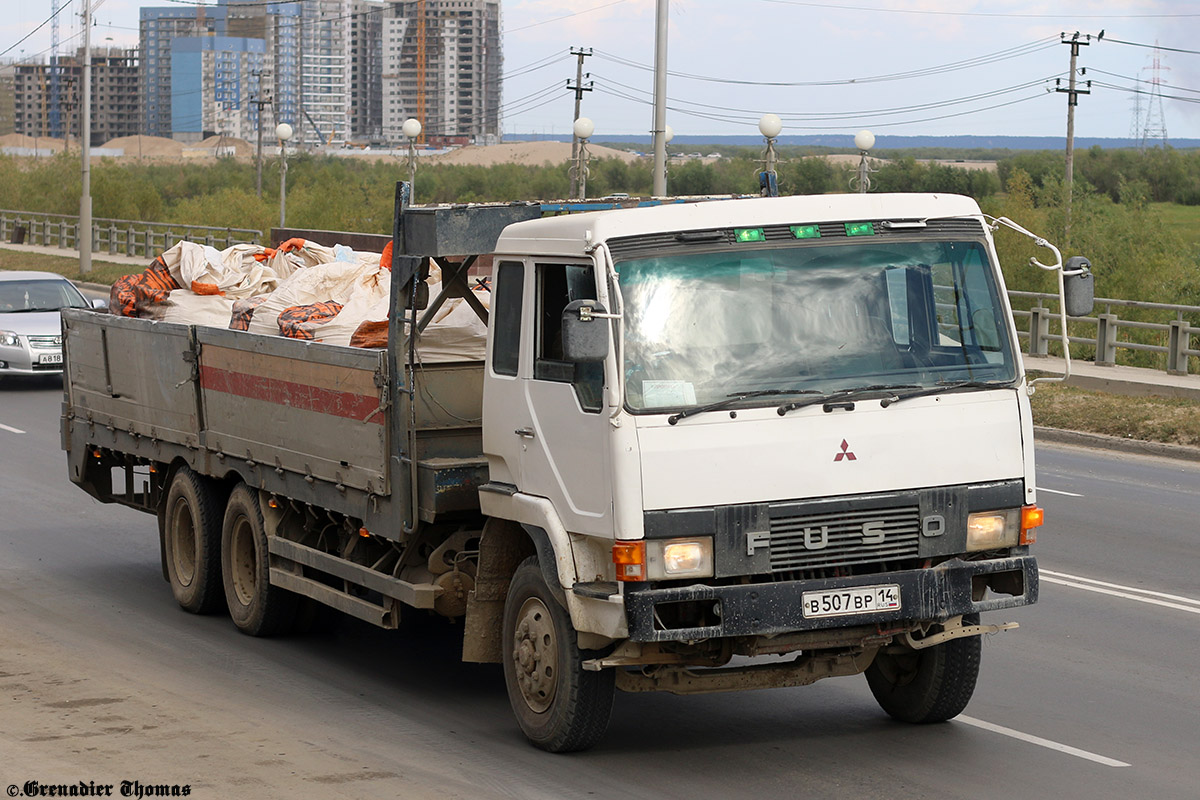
point(421, 70)
point(55, 80)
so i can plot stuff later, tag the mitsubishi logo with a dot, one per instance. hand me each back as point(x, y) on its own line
point(846, 454)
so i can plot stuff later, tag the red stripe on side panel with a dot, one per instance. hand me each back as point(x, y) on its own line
point(294, 395)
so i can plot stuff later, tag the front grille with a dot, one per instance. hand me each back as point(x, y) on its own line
point(819, 541)
point(45, 342)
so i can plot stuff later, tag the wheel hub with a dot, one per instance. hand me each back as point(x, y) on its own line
point(535, 655)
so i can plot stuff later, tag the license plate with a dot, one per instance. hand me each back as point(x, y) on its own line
point(859, 600)
point(50, 358)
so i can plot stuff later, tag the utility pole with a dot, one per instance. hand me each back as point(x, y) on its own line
point(259, 103)
point(83, 233)
point(1072, 100)
point(580, 54)
point(660, 99)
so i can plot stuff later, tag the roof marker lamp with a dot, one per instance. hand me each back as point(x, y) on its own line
point(749, 234)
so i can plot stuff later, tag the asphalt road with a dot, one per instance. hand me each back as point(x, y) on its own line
point(103, 679)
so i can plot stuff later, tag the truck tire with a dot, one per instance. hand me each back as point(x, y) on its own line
point(931, 685)
point(257, 607)
point(192, 542)
point(560, 707)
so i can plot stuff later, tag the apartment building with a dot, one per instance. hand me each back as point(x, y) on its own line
point(443, 67)
point(158, 27)
point(366, 70)
point(213, 81)
point(115, 96)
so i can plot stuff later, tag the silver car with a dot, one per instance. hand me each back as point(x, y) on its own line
point(30, 327)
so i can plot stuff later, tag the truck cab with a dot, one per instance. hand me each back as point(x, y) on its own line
point(786, 426)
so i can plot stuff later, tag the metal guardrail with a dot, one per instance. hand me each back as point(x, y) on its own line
point(137, 238)
point(115, 236)
point(1176, 333)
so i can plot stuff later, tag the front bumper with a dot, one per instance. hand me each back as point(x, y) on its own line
point(23, 360)
point(934, 594)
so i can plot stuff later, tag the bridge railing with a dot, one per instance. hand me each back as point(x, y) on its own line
point(1163, 345)
point(115, 236)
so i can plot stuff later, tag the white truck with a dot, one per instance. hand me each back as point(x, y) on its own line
point(714, 446)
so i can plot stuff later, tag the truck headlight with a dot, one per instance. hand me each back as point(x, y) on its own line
point(993, 530)
point(664, 559)
point(679, 558)
point(9, 339)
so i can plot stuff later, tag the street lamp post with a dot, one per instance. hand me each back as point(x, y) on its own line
point(770, 126)
point(864, 140)
point(283, 132)
point(583, 130)
point(412, 129)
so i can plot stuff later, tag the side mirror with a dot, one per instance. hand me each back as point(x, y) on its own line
point(585, 332)
point(1078, 287)
point(99, 304)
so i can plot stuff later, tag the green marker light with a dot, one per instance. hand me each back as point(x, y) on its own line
point(806, 231)
point(860, 228)
point(749, 235)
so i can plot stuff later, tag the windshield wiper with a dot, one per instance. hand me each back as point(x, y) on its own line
point(730, 400)
point(947, 386)
point(847, 396)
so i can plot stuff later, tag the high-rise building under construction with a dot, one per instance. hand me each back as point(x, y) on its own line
point(442, 63)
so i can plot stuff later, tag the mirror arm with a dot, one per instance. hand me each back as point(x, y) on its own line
point(1057, 267)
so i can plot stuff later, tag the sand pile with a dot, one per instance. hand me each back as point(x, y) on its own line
point(146, 146)
point(40, 142)
point(523, 153)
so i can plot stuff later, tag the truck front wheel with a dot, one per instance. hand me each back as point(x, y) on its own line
point(560, 706)
point(257, 607)
point(192, 542)
point(930, 685)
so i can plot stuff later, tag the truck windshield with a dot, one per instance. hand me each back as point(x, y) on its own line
point(700, 327)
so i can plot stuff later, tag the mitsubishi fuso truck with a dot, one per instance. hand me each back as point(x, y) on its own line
point(712, 446)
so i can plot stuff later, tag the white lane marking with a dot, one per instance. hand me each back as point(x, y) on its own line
point(1126, 592)
point(4, 427)
point(1058, 491)
point(1040, 742)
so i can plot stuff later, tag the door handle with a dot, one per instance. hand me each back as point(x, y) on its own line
point(524, 433)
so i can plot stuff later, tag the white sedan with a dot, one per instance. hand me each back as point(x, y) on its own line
point(30, 327)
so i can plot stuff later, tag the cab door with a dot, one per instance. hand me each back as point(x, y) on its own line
point(566, 458)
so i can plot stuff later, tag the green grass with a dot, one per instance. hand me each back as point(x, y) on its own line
point(1182, 220)
point(102, 272)
point(1152, 419)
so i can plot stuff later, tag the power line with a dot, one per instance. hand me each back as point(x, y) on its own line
point(753, 120)
point(1133, 90)
point(982, 60)
point(846, 115)
point(1008, 15)
point(564, 16)
point(1139, 80)
point(38, 28)
point(1153, 46)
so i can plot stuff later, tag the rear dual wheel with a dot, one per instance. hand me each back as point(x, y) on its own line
point(257, 607)
point(192, 542)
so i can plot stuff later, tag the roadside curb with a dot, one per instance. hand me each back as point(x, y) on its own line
point(1102, 441)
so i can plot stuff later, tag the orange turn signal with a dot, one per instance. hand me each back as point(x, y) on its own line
point(364, 533)
point(1032, 518)
point(630, 558)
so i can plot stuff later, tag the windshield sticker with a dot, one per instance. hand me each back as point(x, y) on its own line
point(668, 394)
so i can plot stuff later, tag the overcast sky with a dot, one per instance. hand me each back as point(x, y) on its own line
point(995, 58)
